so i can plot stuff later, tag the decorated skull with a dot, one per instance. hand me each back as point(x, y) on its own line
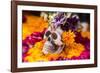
point(53, 42)
point(59, 23)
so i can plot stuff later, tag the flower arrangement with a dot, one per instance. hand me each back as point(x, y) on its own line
point(76, 43)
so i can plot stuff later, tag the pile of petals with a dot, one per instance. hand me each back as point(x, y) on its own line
point(77, 42)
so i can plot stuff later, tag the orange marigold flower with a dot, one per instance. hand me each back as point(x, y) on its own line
point(52, 56)
point(33, 24)
point(68, 37)
point(74, 50)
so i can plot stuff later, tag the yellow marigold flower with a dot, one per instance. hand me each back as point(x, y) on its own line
point(35, 53)
point(36, 48)
point(63, 54)
point(56, 56)
point(35, 59)
point(43, 59)
point(74, 50)
point(86, 34)
point(68, 37)
point(33, 24)
point(29, 59)
point(52, 56)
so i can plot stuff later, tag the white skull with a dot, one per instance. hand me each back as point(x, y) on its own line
point(53, 42)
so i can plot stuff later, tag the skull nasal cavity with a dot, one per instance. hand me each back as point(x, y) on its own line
point(49, 39)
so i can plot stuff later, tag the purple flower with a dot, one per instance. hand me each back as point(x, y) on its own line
point(71, 24)
point(59, 19)
point(73, 20)
point(84, 41)
point(65, 23)
point(68, 26)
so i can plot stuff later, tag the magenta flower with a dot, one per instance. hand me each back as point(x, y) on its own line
point(30, 41)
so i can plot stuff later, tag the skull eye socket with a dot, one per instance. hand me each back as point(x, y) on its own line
point(49, 39)
point(54, 36)
point(48, 33)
